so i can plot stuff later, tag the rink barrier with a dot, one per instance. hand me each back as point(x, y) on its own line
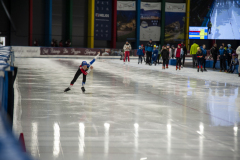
point(10, 147)
point(65, 52)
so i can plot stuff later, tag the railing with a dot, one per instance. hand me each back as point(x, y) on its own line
point(10, 148)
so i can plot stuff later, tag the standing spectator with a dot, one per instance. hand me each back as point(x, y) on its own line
point(238, 52)
point(149, 49)
point(209, 27)
point(229, 54)
point(224, 46)
point(154, 55)
point(35, 43)
point(127, 48)
point(56, 43)
point(165, 55)
point(140, 54)
point(222, 54)
point(199, 58)
point(68, 43)
point(193, 52)
point(179, 51)
point(52, 43)
point(172, 52)
point(184, 53)
point(233, 63)
point(214, 52)
point(204, 51)
point(61, 43)
point(143, 49)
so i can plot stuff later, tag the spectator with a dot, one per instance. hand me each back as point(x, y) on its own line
point(222, 54)
point(159, 54)
point(140, 54)
point(172, 52)
point(165, 55)
point(52, 43)
point(193, 52)
point(149, 49)
point(179, 51)
point(68, 43)
point(35, 43)
point(209, 27)
point(143, 49)
point(204, 51)
point(224, 46)
point(214, 52)
point(238, 52)
point(184, 53)
point(229, 54)
point(61, 43)
point(233, 63)
point(154, 55)
point(199, 58)
point(127, 48)
point(56, 43)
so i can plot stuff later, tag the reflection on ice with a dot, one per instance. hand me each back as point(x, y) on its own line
point(81, 137)
point(56, 140)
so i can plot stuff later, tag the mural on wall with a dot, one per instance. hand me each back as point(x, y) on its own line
point(126, 20)
point(174, 22)
point(150, 20)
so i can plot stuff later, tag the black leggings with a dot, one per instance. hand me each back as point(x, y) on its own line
point(158, 58)
point(165, 62)
point(178, 62)
point(139, 59)
point(78, 73)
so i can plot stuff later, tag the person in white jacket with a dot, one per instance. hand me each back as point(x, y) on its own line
point(127, 48)
point(238, 53)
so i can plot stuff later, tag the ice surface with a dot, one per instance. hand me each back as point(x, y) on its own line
point(129, 111)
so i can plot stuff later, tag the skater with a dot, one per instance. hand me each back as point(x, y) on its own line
point(84, 69)
point(149, 49)
point(209, 27)
point(222, 53)
point(233, 63)
point(238, 52)
point(140, 54)
point(178, 54)
point(165, 55)
point(154, 55)
point(204, 51)
point(199, 58)
point(214, 52)
point(193, 52)
point(229, 55)
point(127, 48)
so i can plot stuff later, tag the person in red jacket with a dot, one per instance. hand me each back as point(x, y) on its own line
point(61, 43)
point(178, 56)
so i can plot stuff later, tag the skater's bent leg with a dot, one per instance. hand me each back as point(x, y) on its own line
point(76, 76)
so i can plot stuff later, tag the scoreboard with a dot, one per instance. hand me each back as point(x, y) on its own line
point(198, 32)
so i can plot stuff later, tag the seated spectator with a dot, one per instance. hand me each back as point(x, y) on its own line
point(233, 63)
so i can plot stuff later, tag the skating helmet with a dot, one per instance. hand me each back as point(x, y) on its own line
point(84, 63)
point(154, 46)
point(140, 47)
point(229, 45)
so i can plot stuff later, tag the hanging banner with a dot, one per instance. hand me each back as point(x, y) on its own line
point(174, 22)
point(150, 20)
point(126, 20)
point(103, 20)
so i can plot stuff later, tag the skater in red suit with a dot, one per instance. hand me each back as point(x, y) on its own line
point(84, 69)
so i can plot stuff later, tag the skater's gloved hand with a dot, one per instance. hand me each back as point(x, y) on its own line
point(97, 55)
point(91, 67)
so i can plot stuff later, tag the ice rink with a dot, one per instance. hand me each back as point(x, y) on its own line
point(225, 20)
point(129, 112)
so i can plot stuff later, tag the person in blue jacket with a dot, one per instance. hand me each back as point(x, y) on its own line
point(199, 58)
point(154, 55)
point(229, 54)
point(233, 64)
point(222, 57)
point(149, 50)
point(204, 51)
point(140, 54)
